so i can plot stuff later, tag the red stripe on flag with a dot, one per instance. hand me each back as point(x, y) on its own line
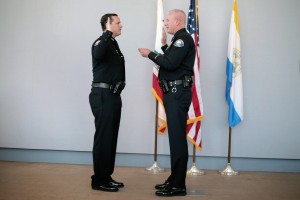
point(156, 87)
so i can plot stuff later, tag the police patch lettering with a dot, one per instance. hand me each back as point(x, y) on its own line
point(179, 43)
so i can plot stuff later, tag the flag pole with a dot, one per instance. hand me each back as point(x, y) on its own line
point(228, 171)
point(155, 169)
point(194, 171)
point(234, 91)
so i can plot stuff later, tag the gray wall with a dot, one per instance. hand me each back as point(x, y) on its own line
point(45, 75)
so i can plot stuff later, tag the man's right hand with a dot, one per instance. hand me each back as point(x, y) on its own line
point(108, 25)
point(163, 37)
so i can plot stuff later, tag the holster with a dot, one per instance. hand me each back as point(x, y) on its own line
point(119, 87)
point(188, 81)
point(163, 84)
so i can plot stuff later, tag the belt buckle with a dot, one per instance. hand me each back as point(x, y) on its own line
point(174, 89)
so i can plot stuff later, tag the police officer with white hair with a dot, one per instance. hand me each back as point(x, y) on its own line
point(176, 79)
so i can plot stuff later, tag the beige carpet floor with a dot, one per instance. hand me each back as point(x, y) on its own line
point(43, 181)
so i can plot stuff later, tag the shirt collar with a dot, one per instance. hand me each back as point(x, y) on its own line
point(179, 31)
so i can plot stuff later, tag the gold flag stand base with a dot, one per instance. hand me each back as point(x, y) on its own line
point(194, 171)
point(228, 171)
point(155, 169)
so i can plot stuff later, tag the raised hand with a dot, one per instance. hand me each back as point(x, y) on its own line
point(163, 37)
point(108, 24)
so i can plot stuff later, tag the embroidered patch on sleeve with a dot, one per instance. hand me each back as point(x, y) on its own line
point(96, 43)
point(179, 43)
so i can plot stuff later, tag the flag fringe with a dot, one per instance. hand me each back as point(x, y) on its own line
point(157, 97)
point(196, 119)
point(192, 141)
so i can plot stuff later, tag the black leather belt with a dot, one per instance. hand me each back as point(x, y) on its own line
point(176, 82)
point(103, 85)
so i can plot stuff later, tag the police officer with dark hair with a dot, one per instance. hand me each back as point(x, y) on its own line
point(175, 78)
point(105, 101)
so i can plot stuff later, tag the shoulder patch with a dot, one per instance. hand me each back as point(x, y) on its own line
point(179, 43)
point(96, 43)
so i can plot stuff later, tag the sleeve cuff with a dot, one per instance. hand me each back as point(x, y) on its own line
point(152, 56)
point(163, 48)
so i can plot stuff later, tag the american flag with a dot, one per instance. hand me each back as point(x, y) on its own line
point(195, 114)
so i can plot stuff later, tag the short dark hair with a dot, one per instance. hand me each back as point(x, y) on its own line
point(104, 19)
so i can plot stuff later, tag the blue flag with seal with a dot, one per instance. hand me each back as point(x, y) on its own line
point(234, 85)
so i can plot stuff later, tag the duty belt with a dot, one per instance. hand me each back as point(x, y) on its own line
point(167, 86)
point(103, 85)
point(116, 89)
point(173, 83)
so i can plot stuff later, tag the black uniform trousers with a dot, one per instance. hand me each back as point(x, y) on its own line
point(106, 108)
point(177, 106)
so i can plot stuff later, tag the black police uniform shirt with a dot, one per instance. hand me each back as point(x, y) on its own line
point(178, 58)
point(108, 60)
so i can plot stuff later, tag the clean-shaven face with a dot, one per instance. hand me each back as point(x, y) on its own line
point(116, 26)
point(170, 23)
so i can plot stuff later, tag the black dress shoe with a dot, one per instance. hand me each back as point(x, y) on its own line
point(116, 184)
point(107, 187)
point(162, 186)
point(171, 191)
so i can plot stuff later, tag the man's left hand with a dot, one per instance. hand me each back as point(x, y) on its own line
point(144, 52)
